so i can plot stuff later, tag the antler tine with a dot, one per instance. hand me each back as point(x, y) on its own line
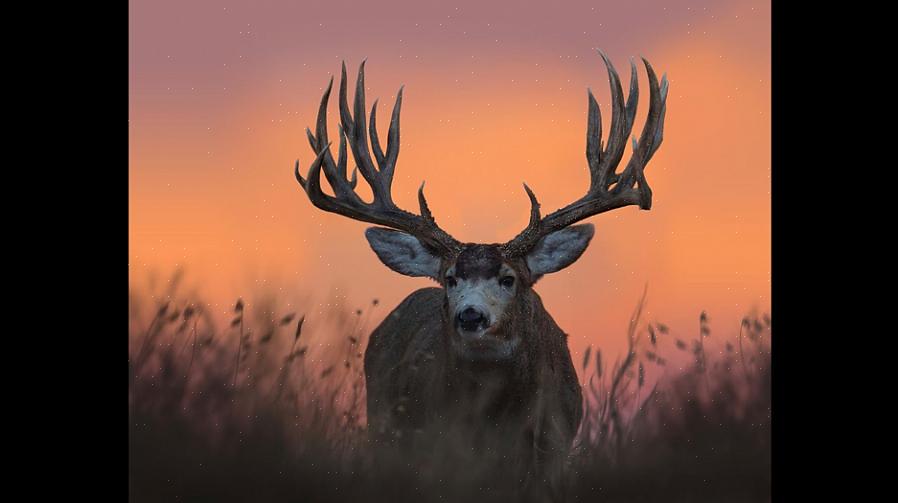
point(659, 133)
point(622, 117)
point(321, 120)
point(345, 116)
point(375, 141)
point(593, 139)
point(422, 204)
point(335, 173)
point(630, 186)
point(298, 175)
point(345, 201)
point(393, 139)
point(386, 163)
point(341, 158)
point(313, 184)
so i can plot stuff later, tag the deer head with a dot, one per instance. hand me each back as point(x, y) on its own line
point(488, 286)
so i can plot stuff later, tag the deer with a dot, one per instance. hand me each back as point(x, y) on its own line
point(479, 353)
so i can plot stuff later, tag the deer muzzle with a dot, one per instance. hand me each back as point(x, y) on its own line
point(471, 319)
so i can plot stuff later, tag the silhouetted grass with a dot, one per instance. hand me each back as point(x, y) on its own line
point(270, 406)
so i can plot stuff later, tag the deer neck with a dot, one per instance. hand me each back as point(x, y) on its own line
point(494, 388)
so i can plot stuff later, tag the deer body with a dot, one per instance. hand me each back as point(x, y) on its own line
point(414, 379)
point(479, 359)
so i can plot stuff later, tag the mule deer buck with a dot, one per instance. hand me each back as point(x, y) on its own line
point(480, 353)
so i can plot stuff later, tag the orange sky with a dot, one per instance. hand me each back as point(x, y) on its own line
point(221, 95)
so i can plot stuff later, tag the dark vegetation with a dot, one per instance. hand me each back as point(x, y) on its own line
point(270, 406)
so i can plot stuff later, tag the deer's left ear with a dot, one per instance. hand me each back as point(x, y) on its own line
point(559, 249)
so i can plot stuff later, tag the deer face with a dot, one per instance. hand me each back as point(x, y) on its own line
point(482, 285)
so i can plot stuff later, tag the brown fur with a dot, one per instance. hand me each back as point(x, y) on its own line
point(482, 261)
point(530, 406)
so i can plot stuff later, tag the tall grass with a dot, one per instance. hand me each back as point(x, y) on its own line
point(270, 406)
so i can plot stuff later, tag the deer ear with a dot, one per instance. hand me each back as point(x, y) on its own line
point(559, 249)
point(403, 252)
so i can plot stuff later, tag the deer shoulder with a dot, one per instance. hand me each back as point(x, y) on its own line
point(401, 361)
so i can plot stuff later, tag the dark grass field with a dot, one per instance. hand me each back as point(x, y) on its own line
point(269, 406)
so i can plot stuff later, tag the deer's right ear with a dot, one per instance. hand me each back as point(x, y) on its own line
point(403, 253)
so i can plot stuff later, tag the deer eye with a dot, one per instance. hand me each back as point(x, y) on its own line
point(450, 281)
point(507, 281)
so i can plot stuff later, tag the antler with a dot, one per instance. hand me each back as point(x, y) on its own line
point(345, 201)
point(607, 190)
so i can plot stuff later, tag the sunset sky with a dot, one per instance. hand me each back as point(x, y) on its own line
point(495, 95)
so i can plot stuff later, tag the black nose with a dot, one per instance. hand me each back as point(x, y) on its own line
point(471, 319)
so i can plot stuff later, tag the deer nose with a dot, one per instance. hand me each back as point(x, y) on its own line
point(471, 319)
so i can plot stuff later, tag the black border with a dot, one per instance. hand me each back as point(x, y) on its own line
point(86, 235)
